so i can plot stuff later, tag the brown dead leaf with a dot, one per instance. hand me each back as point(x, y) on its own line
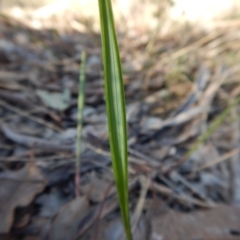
point(96, 188)
point(65, 225)
point(221, 223)
point(113, 230)
point(30, 141)
point(17, 189)
point(11, 76)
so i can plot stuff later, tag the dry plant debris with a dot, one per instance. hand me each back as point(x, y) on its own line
point(199, 225)
point(18, 189)
point(65, 224)
point(175, 91)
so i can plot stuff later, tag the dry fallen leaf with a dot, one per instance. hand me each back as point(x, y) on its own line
point(113, 230)
point(30, 141)
point(17, 189)
point(58, 101)
point(96, 188)
point(11, 76)
point(65, 225)
point(221, 223)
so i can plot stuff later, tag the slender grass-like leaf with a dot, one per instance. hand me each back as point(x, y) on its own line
point(81, 97)
point(214, 125)
point(115, 101)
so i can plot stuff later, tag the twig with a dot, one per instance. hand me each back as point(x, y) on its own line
point(224, 157)
point(109, 205)
point(234, 183)
point(25, 114)
point(145, 183)
point(192, 188)
point(13, 115)
point(191, 47)
point(130, 158)
point(140, 155)
point(101, 209)
point(184, 199)
point(214, 125)
point(37, 159)
point(29, 141)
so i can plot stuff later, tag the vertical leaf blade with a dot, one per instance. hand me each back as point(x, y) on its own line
point(115, 101)
point(81, 99)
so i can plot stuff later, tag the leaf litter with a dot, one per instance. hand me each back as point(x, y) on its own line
point(171, 103)
point(18, 189)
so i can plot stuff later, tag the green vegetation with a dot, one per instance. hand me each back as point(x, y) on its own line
point(115, 101)
point(81, 98)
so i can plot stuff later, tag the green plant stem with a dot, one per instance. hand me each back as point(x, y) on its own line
point(81, 98)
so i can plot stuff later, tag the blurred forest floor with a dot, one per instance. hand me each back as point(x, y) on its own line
point(183, 104)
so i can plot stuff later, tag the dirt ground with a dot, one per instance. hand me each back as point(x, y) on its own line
point(182, 98)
